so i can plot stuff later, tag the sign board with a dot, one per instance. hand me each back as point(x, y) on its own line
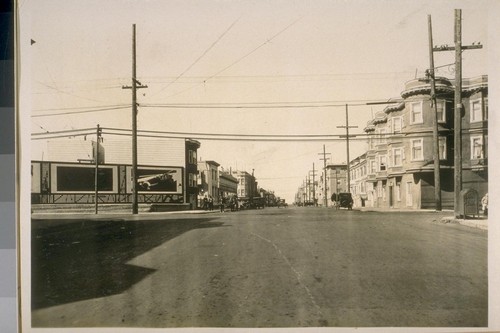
point(75, 178)
point(156, 180)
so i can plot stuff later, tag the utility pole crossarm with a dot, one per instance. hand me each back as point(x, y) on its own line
point(140, 86)
point(452, 48)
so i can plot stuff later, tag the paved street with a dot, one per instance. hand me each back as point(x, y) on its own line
point(288, 267)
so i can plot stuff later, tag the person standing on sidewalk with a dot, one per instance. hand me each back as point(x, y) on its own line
point(221, 203)
point(211, 203)
point(484, 204)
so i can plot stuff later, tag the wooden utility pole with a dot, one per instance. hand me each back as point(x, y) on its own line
point(348, 187)
point(458, 109)
point(96, 160)
point(308, 188)
point(458, 48)
point(314, 185)
point(135, 85)
point(325, 199)
point(305, 191)
point(435, 128)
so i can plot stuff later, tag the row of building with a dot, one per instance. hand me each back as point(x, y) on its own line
point(169, 174)
point(397, 168)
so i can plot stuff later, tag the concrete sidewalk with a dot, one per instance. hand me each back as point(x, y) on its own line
point(480, 223)
point(123, 215)
point(444, 216)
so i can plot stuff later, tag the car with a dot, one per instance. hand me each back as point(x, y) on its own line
point(345, 200)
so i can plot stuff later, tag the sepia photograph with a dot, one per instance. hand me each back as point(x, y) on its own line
point(257, 165)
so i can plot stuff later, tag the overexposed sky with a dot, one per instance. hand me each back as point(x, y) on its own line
point(283, 52)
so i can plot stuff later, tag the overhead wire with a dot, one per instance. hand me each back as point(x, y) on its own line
point(82, 107)
point(262, 106)
point(62, 136)
point(200, 57)
point(79, 112)
point(65, 131)
point(240, 59)
point(67, 93)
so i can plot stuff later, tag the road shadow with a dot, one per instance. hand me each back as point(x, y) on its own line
point(86, 259)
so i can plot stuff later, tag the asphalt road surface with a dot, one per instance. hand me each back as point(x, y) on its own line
point(287, 267)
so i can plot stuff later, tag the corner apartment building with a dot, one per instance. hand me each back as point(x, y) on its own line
point(247, 185)
point(399, 160)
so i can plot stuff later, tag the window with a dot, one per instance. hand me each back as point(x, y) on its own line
point(383, 162)
point(476, 111)
point(485, 108)
point(476, 144)
point(397, 124)
point(397, 157)
point(192, 180)
point(397, 189)
point(373, 166)
point(416, 113)
point(417, 153)
point(441, 111)
point(442, 148)
point(381, 137)
point(192, 157)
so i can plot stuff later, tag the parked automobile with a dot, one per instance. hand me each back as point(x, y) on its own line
point(345, 200)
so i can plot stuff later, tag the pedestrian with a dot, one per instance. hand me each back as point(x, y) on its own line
point(334, 201)
point(484, 203)
point(205, 203)
point(221, 203)
point(211, 203)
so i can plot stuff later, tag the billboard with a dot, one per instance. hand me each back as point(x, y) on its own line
point(156, 180)
point(70, 178)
